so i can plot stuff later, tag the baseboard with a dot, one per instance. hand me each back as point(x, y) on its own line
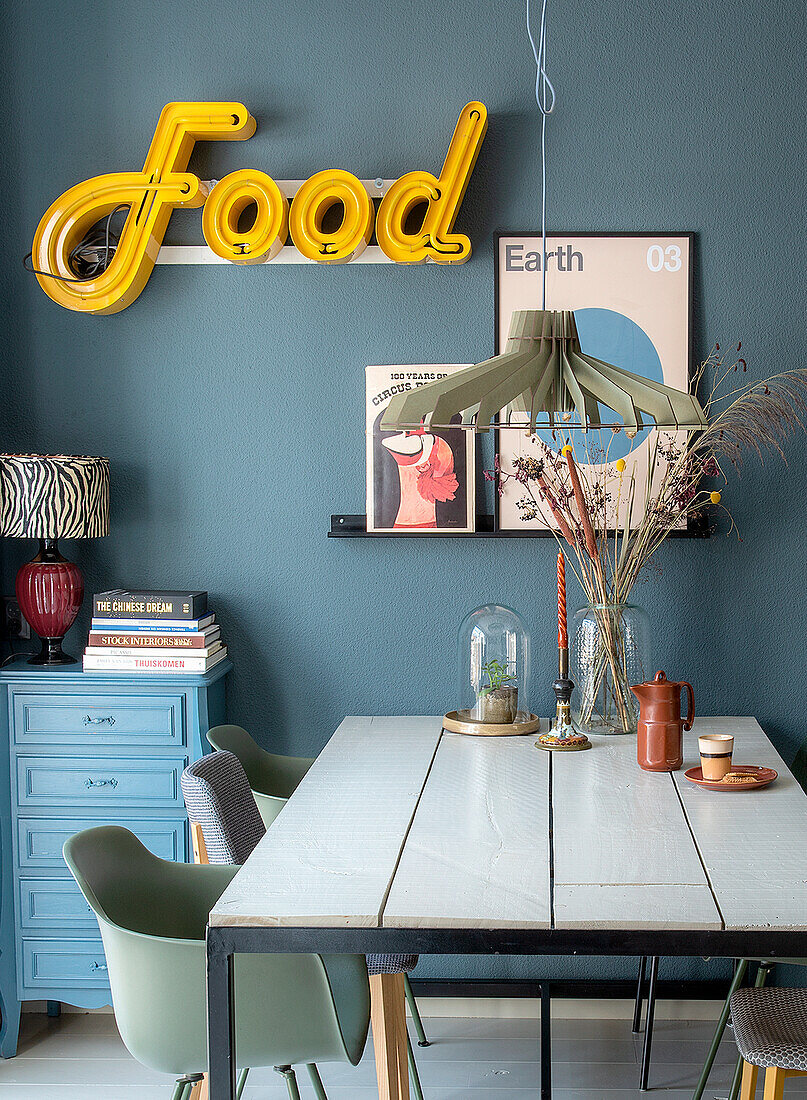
point(574, 1008)
point(518, 1008)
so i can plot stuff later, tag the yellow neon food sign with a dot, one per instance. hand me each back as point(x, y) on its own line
point(164, 184)
point(313, 201)
point(227, 202)
point(443, 197)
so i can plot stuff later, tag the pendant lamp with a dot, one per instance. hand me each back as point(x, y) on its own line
point(543, 368)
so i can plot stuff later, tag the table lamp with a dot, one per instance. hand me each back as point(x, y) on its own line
point(50, 497)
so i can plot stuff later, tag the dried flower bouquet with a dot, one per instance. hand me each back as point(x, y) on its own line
point(616, 523)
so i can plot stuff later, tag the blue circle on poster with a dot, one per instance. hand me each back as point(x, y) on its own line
point(613, 337)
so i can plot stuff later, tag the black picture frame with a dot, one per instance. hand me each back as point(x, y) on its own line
point(696, 527)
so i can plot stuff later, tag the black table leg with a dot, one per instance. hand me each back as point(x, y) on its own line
point(220, 1020)
point(546, 1043)
point(648, 1027)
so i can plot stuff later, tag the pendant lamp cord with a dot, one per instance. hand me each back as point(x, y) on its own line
point(545, 98)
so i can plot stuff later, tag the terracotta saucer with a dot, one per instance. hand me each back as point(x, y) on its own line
point(757, 777)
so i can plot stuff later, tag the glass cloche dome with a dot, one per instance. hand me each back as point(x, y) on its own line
point(494, 666)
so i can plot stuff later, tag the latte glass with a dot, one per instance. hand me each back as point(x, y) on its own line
point(715, 750)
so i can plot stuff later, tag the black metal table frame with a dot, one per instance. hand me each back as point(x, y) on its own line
point(224, 942)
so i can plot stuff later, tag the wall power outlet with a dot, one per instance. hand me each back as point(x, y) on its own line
point(15, 625)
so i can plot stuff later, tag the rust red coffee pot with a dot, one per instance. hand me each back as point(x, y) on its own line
point(660, 743)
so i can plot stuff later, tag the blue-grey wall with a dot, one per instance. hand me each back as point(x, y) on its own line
point(230, 401)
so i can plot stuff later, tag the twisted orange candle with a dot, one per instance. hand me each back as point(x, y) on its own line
point(563, 632)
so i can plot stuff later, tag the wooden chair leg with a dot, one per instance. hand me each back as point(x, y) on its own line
point(388, 1018)
point(201, 1090)
point(774, 1083)
point(748, 1089)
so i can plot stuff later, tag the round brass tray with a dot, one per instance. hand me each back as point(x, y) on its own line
point(456, 721)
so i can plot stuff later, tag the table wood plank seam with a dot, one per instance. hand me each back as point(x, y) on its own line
point(408, 830)
point(698, 850)
point(551, 826)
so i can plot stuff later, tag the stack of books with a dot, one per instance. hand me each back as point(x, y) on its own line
point(153, 632)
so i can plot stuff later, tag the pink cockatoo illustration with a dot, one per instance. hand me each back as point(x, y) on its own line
point(426, 469)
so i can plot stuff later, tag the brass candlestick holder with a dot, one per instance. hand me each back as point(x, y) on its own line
point(563, 737)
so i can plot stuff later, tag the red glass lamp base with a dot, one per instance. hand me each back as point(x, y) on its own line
point(49, 591)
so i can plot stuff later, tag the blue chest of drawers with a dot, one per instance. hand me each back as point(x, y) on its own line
point(81, 749)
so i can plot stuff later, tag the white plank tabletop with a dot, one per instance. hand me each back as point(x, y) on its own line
point(400, 825)
point(330, 855)
point(624, 853)
point(754, 844)
point(477, 855)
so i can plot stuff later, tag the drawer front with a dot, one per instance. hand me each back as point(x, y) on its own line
point(48, 962)
point(112, 718)
point(54, 902)
point(89, 781)
point(40, 840)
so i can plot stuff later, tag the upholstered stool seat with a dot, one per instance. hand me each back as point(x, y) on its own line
point(770, 1027)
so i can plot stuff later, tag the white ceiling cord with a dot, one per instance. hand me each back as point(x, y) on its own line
point(545, 98)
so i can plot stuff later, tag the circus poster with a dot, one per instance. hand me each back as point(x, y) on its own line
point(418, 482)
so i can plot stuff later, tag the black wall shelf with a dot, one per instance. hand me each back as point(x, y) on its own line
point(355, 527)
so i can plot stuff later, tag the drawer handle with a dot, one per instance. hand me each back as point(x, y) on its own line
point(100, 783)
point(98, 966)
point(88, 721)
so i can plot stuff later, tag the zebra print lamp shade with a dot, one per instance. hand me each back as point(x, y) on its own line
point(48, 497)
point(54, 496)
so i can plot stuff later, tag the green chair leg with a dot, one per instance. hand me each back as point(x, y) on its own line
point(736, 982)
point(184, 1087)
point(291, 1081)
point(413, 1008)
point(413, 1070)
point(316, 1081)
point(763, 973)
point(242, 1080)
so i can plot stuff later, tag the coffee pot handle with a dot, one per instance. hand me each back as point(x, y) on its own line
point(690, 718)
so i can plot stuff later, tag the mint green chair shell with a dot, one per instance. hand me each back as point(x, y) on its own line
point(152, 913)
point(272, 778)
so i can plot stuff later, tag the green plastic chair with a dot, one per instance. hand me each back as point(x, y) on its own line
point(289, 1009)
point(273, 779)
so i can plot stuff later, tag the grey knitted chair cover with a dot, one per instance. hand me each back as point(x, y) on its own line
point(218, 797)
point(770, 1026)
point(391, 964)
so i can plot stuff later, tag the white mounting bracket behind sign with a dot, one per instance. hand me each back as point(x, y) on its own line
point(201, 254)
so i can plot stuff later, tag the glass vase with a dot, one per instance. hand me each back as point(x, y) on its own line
point(611, 652)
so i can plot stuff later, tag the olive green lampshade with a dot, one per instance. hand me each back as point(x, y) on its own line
point(544, 370)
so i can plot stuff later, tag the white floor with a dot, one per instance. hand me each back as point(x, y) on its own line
point(81, 1057)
